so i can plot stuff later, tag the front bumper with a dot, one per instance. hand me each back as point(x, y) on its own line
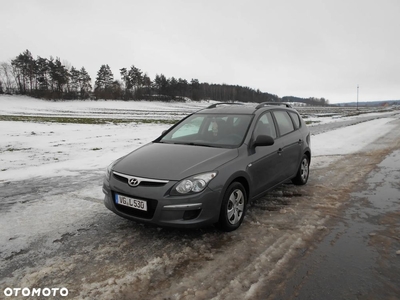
point(189, 211)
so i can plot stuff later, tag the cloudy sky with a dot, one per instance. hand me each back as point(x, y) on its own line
point(308, 48)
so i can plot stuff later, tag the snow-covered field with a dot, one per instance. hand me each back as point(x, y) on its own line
point(51, 175)
point(40, 148)
point(45, 149)
point(103, 109)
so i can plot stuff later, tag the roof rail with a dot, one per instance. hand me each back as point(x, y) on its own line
point(273, 103)
point(221, 103)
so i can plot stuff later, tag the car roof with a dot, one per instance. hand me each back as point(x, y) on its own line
point(240, 108)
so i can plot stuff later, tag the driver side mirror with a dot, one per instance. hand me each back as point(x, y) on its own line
point(263, 140)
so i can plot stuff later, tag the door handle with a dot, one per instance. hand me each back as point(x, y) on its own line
point(280, 151)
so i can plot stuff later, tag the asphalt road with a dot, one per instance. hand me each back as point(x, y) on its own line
point(360, 256)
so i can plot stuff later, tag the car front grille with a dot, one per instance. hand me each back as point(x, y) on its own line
point(143, 182)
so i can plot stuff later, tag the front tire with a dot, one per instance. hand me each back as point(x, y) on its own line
point(303, 172)
point(233, 207)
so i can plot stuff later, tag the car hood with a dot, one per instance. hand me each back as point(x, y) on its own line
point(173, 161)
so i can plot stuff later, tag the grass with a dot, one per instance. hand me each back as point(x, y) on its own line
point(41, 119)
point(17, 149)
point(311, 122)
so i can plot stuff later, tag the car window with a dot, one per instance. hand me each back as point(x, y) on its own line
point(296, 119)
point(284, 122)
point(213, 130)
point(189, 128)
point(217, 124)
point(265, 126)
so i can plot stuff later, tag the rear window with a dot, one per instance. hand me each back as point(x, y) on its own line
point(284, 122)
point(296, 119)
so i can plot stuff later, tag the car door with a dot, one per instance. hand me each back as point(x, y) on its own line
point(265, 160)
point(290, 144)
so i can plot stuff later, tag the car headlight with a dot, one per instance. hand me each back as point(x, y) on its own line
point(193, 184)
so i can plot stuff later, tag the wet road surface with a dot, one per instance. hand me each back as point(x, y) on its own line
point(360, 257)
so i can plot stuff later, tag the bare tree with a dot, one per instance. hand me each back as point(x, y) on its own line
point(7, 78)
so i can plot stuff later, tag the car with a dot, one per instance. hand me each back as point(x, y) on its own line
point(208, 167)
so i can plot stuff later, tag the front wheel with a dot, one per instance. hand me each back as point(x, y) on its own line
point(233, 207)
point(303, 172)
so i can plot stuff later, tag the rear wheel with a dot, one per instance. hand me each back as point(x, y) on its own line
point(233, 207)
point(303, 172)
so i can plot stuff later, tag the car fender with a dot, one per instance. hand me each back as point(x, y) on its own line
point(240, 176)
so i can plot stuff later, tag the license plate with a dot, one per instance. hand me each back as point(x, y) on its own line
point(131, 202)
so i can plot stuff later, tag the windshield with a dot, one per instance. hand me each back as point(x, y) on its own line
point(210, 130)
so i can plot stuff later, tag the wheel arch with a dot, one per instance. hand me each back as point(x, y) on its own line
point(308, 154)
point(229, 208)
point(243, 179)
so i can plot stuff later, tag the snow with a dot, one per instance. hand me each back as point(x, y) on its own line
point(32, 150)
point(29, 149)
point(46, 152)
point(329, 146)
point(50, 149)
point(22, 105)
point(350, 139)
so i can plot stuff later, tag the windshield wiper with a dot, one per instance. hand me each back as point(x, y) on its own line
point(197, 144)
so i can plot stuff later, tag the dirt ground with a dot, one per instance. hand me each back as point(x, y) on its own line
point(112, 258)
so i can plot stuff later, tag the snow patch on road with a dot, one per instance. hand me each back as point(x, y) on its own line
point(329, 146)
point(50, 217)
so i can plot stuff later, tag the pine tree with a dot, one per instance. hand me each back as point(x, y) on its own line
point(24, 69)
point(85, 83)
point(103, 87)
point(147, 84)
point(74, 83)
point(59, 76)
point(42, 73)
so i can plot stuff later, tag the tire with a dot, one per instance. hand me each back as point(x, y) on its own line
point(303, 172)
point(233, 207)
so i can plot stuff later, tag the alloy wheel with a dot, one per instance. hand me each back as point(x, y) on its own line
point(235, 207)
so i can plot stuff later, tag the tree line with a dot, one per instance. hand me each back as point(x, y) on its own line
point(51, 79)
point(310, 101)
point(44, 78)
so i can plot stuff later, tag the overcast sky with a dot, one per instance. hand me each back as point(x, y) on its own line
point(308, 48)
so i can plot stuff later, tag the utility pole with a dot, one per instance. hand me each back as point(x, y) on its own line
point(357, 96)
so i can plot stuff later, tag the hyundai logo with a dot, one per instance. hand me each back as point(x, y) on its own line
point(133, 181)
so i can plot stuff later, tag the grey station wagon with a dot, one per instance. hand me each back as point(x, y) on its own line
point(206, 168)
